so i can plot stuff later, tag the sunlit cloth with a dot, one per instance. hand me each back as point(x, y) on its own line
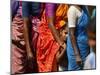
point(47, 47)
point(61, 17)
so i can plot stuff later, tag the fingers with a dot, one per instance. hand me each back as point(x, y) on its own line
point(79, 62)
point(30, 63)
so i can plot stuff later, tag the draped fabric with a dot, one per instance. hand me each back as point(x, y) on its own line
point(47, 47)
point(82, 41)
point(18, 50)
point(61, 15)
point(42, 41)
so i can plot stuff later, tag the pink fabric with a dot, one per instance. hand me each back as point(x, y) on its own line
point(18, 53)
point(50, 8)
point(19, 59)
point(35, 25)
point(17, 63)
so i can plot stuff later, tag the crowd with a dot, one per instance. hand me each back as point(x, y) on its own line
point(49, 37)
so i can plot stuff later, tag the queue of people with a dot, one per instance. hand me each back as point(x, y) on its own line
point(49, 37)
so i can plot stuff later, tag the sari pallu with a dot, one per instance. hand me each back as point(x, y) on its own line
point(47, 47)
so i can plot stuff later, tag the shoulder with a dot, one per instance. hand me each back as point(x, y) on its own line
point(72, 9)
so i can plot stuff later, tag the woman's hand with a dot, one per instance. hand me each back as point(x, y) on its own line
point(57, 57)
point(30, 59)
point(78, 60)
point(30, 56)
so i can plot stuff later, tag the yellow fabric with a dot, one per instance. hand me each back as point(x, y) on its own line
point(61, 15)
point(62, 10)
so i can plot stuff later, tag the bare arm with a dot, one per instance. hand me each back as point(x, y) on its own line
point(72, 19)
point(55, 33)
point(50, 10)
point(26, 36)
point(73, 41)
point(74, 45)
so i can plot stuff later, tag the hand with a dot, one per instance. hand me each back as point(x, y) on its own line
point(57, 57)
point(30, 60)
point(78, 60)
point(30, 56)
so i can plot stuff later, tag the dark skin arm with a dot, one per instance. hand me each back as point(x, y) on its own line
point(74, 45)
point(30, 56)
point(26, 36)
point(55, 33)
point(51, 19)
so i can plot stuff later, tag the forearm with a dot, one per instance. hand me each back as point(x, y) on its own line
point(55, 33)
point(26, 34)
point(74, 42)
point(50, 12)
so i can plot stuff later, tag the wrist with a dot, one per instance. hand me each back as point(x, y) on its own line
point(77, 54)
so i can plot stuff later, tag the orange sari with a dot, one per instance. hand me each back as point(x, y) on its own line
point(47, 47)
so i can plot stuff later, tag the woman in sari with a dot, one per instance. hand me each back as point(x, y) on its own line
point(77, 42)
point(48, 41)
point(21, 62)
point(31, 18)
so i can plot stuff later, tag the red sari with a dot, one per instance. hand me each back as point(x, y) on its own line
point(47, 47)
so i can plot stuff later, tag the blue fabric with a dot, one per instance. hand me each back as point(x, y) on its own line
point(92, 60)
point(82, 41)
point(30, 8)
